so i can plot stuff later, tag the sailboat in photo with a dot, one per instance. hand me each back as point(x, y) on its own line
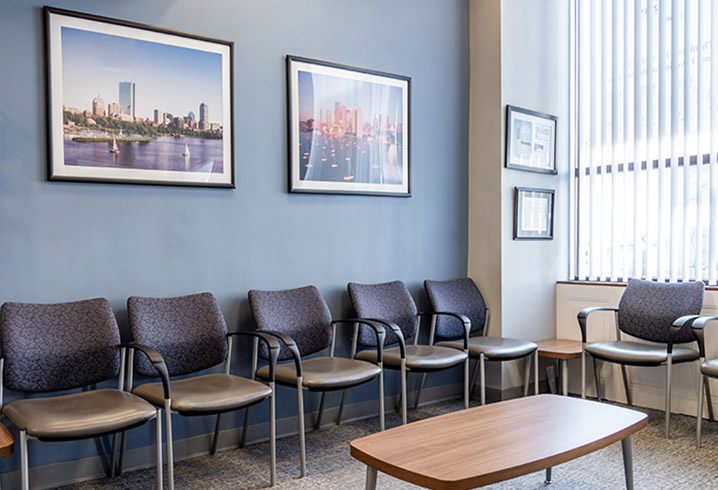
point(115, 148)
point(186, 150)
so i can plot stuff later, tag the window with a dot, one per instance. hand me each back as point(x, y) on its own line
point(645, 120)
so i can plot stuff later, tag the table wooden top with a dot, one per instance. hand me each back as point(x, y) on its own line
point(559, 348)
point(488, 444)
point(7, 443)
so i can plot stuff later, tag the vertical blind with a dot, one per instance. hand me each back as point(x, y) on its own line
point(646, 175)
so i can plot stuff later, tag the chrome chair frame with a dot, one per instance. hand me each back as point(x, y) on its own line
point(699, 327)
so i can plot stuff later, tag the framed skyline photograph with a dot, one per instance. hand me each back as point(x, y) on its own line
point(348, 129)
point(533, 214)
point(530, 140)
point(131, 103)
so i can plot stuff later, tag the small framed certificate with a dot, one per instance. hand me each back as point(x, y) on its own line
point(533, 214)
point(530, 140)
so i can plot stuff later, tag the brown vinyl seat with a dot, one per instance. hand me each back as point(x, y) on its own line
point(54, 347)
point(191, 334)
point(301, 320)
point(704, 329)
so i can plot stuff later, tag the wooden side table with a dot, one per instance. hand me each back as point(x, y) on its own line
point(563, 350)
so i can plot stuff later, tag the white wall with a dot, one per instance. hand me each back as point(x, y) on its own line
point(519, 56)
point(647, 384)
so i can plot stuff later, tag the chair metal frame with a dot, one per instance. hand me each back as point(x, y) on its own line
point(699, 328)
point(297, 359)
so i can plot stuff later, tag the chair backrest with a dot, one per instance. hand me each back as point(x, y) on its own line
point(300, 313)
point(51, 347)
point(648, 309)
point(188, 331)
point(456, 296)
point(388, 301)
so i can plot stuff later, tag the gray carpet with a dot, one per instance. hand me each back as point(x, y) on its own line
point(658, 463)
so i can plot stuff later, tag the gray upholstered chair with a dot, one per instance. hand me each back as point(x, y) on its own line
point(708, 343)
point(52, 347)
point(462, 296)
point(647, 312)
point(391, 304)
point(191, 335)
point(301, 320)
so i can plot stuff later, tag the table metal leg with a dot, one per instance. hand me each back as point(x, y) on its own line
point(548, 476)
point(627, 461)
point(564, 376)
point(370, 478)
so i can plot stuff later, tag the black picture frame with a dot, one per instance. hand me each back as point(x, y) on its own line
point(530, 140)
point(121, 102)
point(348, 129)
point(533, 213)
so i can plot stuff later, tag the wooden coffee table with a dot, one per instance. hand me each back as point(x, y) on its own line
point(488, 444)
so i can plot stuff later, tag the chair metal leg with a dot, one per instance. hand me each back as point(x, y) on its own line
point(245, 426)
point(113, 459)
point(381, 399)
point(318, 422)
point(272, 437)
point(669, 363)
point(699, 417)
point(583, 373)
point(626, 387)
point(527, 375)
point(466, 382)
point(121, 462)
point(24, 468)
point(709, 399)
point(421, 388)
point(564, 376)
point(341, 407)
point(536, 372)
point(473, 378)
point(215, 439)
point(403, 391)
point(169, 446)
point(482, 377)
point(627, 450)
point(300, 412)
point(158, 446)
point(547, 480)
point(597, 375)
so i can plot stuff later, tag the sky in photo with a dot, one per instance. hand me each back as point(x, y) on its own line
point(169, 78)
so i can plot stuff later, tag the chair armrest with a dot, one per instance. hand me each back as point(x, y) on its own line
point(272, 345)
point(291, 345)
point(464, 319)
point(379, 331)
point(698, 328)
point(394, 328)
point(583, 318)
point(685, 321)
point(157, 361)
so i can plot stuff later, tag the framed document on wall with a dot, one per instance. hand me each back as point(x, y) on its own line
point(533, 214)
point(530, 140)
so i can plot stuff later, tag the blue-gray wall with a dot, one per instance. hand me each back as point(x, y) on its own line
point(68, 241)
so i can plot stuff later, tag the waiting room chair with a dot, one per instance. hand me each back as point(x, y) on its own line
point(708, 343)
point(191, 335)
point(53, 347)
point(391, 304)
point(647, 311)
point(301, 320)
point(463, 296)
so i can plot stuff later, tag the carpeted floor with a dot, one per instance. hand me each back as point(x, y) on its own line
point(658, 463)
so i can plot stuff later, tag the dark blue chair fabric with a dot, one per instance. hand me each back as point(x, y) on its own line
point(387, 301)
point(188, 331)
point(459, 296)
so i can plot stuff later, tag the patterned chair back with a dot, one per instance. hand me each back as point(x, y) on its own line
point(388, 301)
point(648, 309)
point(53, 347)
point(300, 313)
point(456, 296)
point(188, 331)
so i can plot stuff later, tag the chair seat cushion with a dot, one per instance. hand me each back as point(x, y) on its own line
point(420, 358)
point(207, 394)
point(710, 368)
point(638, 353)
point(324, 373)
point(494, 348)
point(79, 415)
